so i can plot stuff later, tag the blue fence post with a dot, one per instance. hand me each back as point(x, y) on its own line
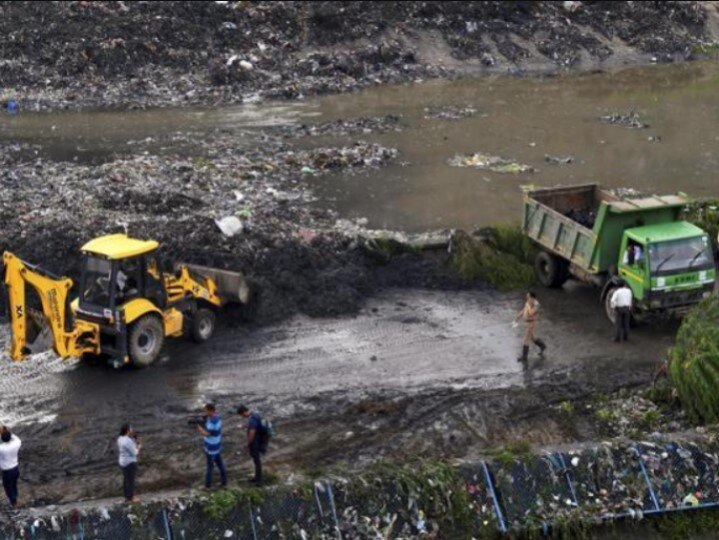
point(319, 503)
point(334, 509)
point(252, 523)
point(497, 509)
point(166, 522)
point(646, 479)
point(568, 478)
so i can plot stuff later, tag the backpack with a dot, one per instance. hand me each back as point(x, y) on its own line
point(265, 433)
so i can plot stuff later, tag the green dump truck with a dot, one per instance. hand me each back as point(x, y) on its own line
point(591, 235)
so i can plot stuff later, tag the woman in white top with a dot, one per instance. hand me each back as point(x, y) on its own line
point(9, 448)
point(128, 450)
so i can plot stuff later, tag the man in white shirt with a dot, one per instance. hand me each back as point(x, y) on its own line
point(621, 303)
point(9, 448)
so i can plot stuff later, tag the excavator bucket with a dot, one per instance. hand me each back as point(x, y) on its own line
point(231, 286)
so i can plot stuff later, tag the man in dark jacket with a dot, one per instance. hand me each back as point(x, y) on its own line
point(255, 443)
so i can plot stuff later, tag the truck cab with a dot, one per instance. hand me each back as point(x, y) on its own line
point(667, 266)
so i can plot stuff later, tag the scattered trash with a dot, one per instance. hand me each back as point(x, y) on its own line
point(490, 163)
point(571, 7)
point(362, 125)
point(557, 160)
point(449, 112)
point(230, 225)
point(11, 106)
point(630, 119)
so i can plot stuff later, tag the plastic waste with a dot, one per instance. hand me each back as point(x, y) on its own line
point(230, 225)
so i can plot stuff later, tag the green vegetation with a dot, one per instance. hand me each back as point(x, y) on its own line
point(606, 415)
point(694, 362)
point(500, 256)
point(203, 164)
point(691, 524)
point(566, 407)
point(507, 454)
point(704, 214)
point(705, 49)
point(220, 503)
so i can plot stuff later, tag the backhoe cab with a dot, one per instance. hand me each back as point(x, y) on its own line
point(126, 306)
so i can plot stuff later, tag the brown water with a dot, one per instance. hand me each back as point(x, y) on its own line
point(524, 119)
point(519, 118)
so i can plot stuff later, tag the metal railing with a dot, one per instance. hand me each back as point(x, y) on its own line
point(606, 482)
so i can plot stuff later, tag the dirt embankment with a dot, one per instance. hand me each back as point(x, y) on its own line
point(73, 54)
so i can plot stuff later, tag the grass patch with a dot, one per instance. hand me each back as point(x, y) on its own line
point(705, 49)
point(497, 256)
point(510, 452)
point(691, 524)
point(694, 362)
point(566, 407)
point(220, 503)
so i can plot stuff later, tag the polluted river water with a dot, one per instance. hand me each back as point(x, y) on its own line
point(521, 119)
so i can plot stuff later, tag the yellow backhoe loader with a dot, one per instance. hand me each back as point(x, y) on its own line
point(126, 306)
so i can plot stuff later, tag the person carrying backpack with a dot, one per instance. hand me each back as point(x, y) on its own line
point(259, 432)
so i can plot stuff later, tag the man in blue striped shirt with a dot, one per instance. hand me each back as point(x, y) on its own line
point(211, 432)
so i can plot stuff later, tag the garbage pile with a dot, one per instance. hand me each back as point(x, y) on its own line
point(233, 202)
point(489, 163)
point(352, 126)
point(79, 54)
point(449, 112)
point(630, 119)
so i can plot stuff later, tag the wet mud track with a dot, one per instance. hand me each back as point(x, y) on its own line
point(416, 373)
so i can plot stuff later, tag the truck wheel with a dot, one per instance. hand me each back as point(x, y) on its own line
point(203, 325)
point(145, 340)
point(551, 271)
point(608, 305)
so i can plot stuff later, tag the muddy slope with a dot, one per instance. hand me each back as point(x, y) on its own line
point(123, 53)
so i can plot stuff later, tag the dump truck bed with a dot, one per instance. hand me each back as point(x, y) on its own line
point(584, 224)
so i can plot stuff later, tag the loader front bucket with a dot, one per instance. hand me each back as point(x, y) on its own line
point(231, 286)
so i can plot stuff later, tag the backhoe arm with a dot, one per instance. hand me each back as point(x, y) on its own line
point(52, 291)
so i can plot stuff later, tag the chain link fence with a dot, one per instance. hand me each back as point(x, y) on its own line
point(480, 499)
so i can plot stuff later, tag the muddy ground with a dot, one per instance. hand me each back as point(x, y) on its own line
point(78, 54)
point(415, 374)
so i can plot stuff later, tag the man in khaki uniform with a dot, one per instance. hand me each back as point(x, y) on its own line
point(530, 313)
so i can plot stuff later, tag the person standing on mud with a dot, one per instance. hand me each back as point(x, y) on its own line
point(529, 315)
point(211, 431)
point(254, 440)
point(621, 303)
point(9, 448)
point(127, 450)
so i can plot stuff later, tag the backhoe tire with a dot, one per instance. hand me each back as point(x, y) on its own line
point(145, 340)
point(203, 325)
point(551, 271)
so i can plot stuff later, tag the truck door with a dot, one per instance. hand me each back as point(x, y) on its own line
point(633, 265)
